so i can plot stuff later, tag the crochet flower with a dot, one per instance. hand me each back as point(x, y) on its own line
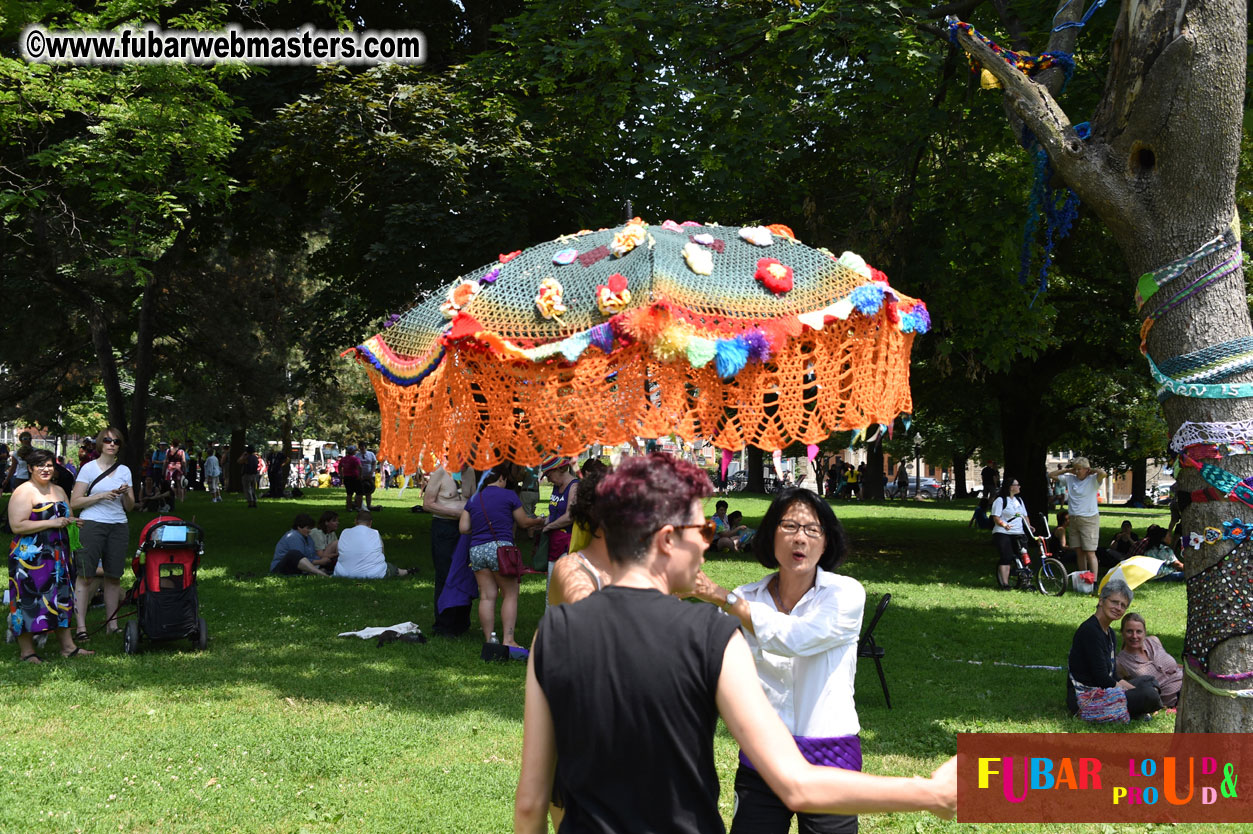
point(757, 235)
point(627, 239)
point(458, 297)
point(565, 257)
point(548, 298)
point(775, 276)
point(1195, 540)
point(782, 231)
point(504, 259)
point(613, 297)
point(1235, 530)
point(1213, 535)
point(491, 276)
point(698, 259)
point(703, 239)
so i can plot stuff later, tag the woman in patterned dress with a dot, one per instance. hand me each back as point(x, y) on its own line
point(41, 572)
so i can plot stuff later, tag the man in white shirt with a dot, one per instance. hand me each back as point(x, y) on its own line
point(361, 552)
point(1081, 482)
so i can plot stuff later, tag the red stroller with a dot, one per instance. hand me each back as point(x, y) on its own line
point(167, 606)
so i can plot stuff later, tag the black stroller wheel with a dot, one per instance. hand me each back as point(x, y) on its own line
point(130, 638)
point(201, 638)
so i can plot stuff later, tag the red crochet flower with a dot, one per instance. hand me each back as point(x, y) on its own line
point(504, 259)
point(775, 276)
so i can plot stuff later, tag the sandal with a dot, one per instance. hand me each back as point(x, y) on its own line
point(78, 651)
point(30, 658)
point(81, 637)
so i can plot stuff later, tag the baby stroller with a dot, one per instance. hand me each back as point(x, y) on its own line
point(167, 607)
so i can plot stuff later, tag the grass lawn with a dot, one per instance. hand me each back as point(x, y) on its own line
point(283, 727)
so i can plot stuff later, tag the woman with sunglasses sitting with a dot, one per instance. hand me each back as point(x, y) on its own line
point(802, 623)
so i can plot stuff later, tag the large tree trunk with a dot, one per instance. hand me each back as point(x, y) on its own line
point(1159, 169)
point(756, 465)
point(143, 375)
point(233, 470)
point(103, 346)
point(872, 483)
point(1140, 482)
point(959, 476)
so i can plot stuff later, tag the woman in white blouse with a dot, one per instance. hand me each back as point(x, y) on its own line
point(802, 624)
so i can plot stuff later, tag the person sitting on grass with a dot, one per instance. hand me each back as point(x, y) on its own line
point(981, 519)
point(1091, 664)
point(1125, 540)
point(294, 554)
point(361, 552)
point(326, 539)
point(1143, 654)
point(155, 496)
point(739, 534)
point(1158, 546)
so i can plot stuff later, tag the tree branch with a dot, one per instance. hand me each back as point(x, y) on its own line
point(1032, 102)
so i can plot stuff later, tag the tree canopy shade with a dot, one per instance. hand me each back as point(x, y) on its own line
point(1158, 167)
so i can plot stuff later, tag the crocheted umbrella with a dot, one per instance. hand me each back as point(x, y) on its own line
point(738, 335)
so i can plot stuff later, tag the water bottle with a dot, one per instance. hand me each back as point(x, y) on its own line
point(493, 639)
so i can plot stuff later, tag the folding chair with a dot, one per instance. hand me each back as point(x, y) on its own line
point(867, 647)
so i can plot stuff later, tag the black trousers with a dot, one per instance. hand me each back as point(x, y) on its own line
point(759, 811)
point(444, 535)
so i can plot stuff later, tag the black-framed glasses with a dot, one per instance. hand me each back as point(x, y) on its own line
point(708, 529)
point(814, 531)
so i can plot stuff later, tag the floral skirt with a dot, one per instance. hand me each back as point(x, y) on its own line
point(41, 582)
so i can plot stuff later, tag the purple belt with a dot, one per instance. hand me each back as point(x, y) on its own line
point(837, 751)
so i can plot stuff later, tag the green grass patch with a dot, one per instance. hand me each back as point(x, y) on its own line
point(280, 726)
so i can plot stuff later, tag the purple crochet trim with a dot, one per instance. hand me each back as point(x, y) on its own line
point(837, 751)
point(1196, 665)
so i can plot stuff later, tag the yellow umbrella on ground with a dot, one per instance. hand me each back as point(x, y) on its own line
point(1135, 571)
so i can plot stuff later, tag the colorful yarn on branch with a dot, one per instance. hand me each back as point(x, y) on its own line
point(644, 331)
point(1028, 65)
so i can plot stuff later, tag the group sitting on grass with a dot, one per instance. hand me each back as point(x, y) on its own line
point(730, 532)
point(357, 553)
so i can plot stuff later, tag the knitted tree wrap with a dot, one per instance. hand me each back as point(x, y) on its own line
point(721, 356)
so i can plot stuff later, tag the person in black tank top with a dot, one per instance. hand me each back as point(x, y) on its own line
point(624, 688)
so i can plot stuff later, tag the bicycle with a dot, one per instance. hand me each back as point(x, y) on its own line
point(1035, 569)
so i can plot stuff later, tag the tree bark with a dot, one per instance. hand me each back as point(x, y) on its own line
point(108, 371)
point(872, 483)
point(959, 476)
point(233, 468)
point(756, 465)
point(1140, 482)
point(1159, 169)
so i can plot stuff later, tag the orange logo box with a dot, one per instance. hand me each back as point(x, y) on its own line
point(1104, 777)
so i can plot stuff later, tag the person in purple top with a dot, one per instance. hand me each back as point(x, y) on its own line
point(488, 520)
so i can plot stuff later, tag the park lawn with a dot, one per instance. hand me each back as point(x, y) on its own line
point(281, 726)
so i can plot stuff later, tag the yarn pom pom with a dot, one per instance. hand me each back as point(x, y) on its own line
point(700, 351)
point(867, 298)
point(731, 358)
point(758, 345)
